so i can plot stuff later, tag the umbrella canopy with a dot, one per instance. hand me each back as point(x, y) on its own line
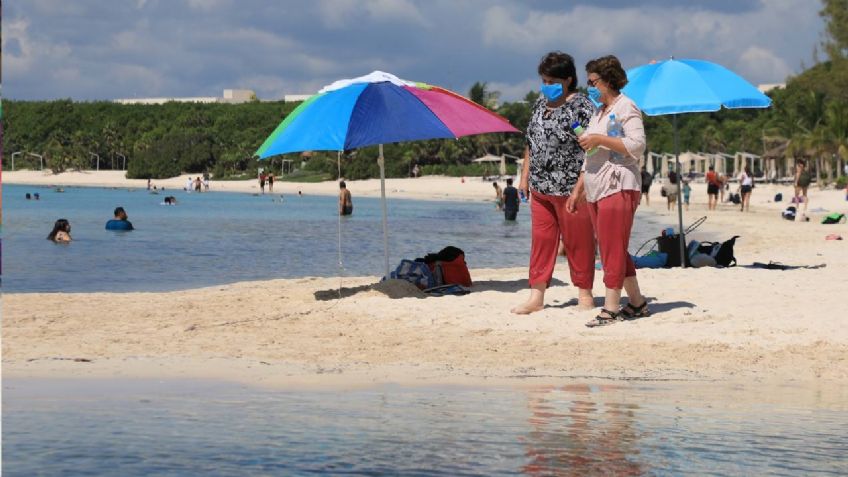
point(688, 86)
point(378, 108)
point(375, 109)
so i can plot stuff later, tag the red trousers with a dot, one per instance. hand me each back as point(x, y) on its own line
point(612, 218)
point(550, 222)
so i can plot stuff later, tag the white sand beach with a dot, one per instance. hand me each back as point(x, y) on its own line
point(426, 188)
point(708, 324)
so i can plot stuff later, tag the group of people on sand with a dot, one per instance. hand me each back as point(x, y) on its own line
point(584, 187)
point(266, 178)
point(61, 232)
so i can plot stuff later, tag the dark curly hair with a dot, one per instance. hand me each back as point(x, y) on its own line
point(610, 70)
point(557, 64)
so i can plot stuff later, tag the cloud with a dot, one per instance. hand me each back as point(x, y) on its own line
point(198, 47)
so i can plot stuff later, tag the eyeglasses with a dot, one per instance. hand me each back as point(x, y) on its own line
point(592, 82)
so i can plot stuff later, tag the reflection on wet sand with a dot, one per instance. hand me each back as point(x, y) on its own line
point(582, 430)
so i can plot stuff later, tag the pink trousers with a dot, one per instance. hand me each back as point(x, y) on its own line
point(550, 222)
point(612, 218)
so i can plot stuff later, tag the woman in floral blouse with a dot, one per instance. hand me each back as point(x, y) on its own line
point(553, 159)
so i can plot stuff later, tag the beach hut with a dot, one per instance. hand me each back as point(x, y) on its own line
point(492, 159)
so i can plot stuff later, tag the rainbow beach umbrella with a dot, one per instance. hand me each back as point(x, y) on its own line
point(375, 109)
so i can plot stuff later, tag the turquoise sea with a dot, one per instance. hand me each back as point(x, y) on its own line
point(216, 238)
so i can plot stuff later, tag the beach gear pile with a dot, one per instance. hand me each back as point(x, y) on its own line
point(442, 273)
point(665, 251)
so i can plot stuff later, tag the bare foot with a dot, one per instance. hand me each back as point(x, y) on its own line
point(585, 303)
point(527, 308)
point(585, 300)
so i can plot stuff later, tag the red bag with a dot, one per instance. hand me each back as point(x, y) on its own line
point(452, 272)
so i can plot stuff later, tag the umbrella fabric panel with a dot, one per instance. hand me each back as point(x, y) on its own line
point(656, 89)
point(733, 90)
point(319, 124)
point(274, 137)
point(461, 116)
point(386, 113)
point(689, 86)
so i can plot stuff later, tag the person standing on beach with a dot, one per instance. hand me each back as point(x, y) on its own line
point(802, 182)
point(670, 189)
point(270, 182)
point(262, 182)
point(197, 184)
point(687, 191)
point(345, 200)
point(647, 179)
point(189, 184)
point(552, 162)
point(510, 201)
point(206, 181)
point(611, 183)
point(746, 185)
point(713, 188)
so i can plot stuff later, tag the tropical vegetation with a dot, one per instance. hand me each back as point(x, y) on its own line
point(809, 119)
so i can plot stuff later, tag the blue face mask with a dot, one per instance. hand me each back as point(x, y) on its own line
point(595, 96)
point(552, 91)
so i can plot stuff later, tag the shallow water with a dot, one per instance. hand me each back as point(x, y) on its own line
point(132, 428)
point(217, 238)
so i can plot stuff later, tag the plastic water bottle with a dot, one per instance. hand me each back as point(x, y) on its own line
point(614, 128)
point(578, 130)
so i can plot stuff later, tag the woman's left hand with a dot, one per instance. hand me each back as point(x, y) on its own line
point(590, 141)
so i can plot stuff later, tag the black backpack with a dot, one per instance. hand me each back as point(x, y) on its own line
point(721, 252)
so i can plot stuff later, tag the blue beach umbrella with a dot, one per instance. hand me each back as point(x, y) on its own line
point(688, 86)
point(375, 109)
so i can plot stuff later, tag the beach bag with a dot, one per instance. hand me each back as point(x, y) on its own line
point(417, 273)
point(670, 246)
point(834, 218)
point(789, 213)
point(652, 260)
point(721, 252)
point(449, 267)
point(778, 197)
point(735, 198)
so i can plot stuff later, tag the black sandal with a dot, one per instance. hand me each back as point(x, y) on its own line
point(601, 320)
point(630, 312)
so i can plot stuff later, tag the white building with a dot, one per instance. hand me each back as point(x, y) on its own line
point(233, 96)
point(765, 88)
point(292, 98)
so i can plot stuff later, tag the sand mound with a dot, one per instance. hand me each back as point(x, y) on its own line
point(395, 288)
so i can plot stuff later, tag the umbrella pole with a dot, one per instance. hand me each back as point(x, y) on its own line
point(382, 163)
point(679, 197)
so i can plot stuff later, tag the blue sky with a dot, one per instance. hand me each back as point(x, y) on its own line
point(105, 49)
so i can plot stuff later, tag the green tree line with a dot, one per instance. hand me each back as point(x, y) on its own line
point(808, 119)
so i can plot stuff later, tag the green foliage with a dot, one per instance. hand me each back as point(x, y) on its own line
point(810, 116)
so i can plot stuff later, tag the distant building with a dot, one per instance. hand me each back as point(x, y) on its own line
point(293, 98)
point(766, 87)
point(233, 96)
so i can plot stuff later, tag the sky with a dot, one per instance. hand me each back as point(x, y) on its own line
point(107, 49)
